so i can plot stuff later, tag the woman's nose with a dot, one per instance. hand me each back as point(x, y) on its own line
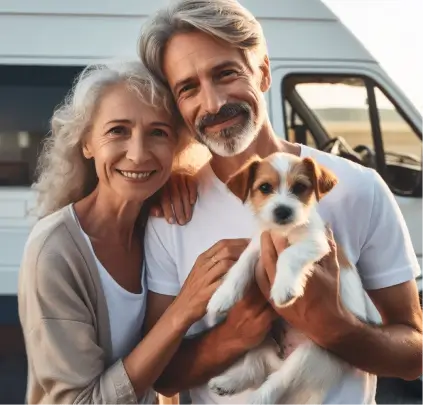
point(136, 149)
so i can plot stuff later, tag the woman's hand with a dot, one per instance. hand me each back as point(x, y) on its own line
point(177, 199)
point(205, 277)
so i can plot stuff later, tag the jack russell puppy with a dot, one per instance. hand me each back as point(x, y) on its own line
point(283, 191)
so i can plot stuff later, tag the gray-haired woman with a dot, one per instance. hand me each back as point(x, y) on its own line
point(82, 289)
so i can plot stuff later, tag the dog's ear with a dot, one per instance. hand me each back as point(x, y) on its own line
point(323, 180)
point(240, 183)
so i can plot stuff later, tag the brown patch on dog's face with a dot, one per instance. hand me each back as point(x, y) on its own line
point(323, 180)
point(240, 183)
point(299, 183)
point(266, 183)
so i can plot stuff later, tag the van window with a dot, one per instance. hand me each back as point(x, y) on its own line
point(295, 124)
point(341, 104)
point(398, 136)
point(355, 118)
point(342, 109)
point(28, 96)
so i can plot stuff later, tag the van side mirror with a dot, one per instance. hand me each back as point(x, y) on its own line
point(404, 179)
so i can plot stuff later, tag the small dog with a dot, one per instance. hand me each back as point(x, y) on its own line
point(283, 191)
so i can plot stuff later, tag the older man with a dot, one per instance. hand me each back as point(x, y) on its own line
point(212, 54)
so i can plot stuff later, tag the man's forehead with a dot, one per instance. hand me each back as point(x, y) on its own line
point(192, 53)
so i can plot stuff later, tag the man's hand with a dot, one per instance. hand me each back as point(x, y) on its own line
point(251, 318)
point(318, 313)
point(176, 199)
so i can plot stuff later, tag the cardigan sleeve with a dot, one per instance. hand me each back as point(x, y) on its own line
point(66, 363)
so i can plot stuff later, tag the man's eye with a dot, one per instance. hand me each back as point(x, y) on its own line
point(227, 73)
point(266, 188)
point(186, 88)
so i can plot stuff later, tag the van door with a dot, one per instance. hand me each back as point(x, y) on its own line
point(358, 114)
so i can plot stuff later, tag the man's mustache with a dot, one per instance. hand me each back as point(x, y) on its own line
point(226, 112)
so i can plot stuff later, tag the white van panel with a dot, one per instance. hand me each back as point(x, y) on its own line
point(15, 224)
point(294, 9)
point(44, 39)
point(78, 32)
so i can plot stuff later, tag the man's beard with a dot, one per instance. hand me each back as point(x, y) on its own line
point(232, 140)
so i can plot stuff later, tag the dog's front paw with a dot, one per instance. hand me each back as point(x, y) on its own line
point(286, 288)
point(222, 385)
point(221, 301)
point(283, 297)
point(263, 395)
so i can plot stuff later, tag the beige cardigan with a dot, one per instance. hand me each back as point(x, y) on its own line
point(64, 317)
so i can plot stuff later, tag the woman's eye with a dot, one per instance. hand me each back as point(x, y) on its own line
point(159, 132)
point(119, 130)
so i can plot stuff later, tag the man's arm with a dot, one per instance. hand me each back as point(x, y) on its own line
point(391, 350)
point(209, 354)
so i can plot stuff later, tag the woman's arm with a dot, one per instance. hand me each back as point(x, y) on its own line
point(66, 362)
point(57, 303)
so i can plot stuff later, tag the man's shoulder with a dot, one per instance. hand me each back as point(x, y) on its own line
point(354, 180)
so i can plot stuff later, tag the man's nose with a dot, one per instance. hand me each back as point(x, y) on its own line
point(213, 99)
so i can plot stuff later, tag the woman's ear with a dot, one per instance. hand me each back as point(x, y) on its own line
point(86, 151)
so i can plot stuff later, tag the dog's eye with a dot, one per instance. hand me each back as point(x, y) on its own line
point(298, 188)
point(266, 188)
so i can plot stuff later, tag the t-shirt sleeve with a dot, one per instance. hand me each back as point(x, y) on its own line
point(387, 256)
point(162, 272)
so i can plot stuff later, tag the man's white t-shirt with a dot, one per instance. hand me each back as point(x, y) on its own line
point(362, 213)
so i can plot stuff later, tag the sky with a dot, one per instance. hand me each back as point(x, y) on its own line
point(389, 29)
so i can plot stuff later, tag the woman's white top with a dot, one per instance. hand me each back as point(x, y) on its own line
point(126, 310)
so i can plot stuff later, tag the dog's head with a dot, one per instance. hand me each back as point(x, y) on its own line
point(281, 188)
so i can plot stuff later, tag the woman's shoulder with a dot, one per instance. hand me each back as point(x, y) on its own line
point(54, 276)
point(49, 235)
point(55, 250)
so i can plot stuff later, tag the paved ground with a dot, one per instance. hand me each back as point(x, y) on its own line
point(13, 377)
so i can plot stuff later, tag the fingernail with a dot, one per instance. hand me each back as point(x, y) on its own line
point(171, 220)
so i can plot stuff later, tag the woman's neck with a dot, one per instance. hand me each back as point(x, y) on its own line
point(105, 218)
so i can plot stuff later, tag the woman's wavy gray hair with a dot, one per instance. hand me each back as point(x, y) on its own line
point(226, 20)
point(64, 175)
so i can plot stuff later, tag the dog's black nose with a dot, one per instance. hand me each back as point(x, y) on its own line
point(282, 214)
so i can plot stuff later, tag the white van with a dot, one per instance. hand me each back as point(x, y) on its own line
point(327, 91)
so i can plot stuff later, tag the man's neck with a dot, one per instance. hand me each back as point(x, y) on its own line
point(264, 145)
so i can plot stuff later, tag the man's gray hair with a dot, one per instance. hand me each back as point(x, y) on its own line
point(226, 20)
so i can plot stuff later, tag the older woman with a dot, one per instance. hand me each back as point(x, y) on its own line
point(82, 290)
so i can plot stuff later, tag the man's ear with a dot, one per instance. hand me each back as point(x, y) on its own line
point(240, 183)
point(323, 180)
point(266, 77)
